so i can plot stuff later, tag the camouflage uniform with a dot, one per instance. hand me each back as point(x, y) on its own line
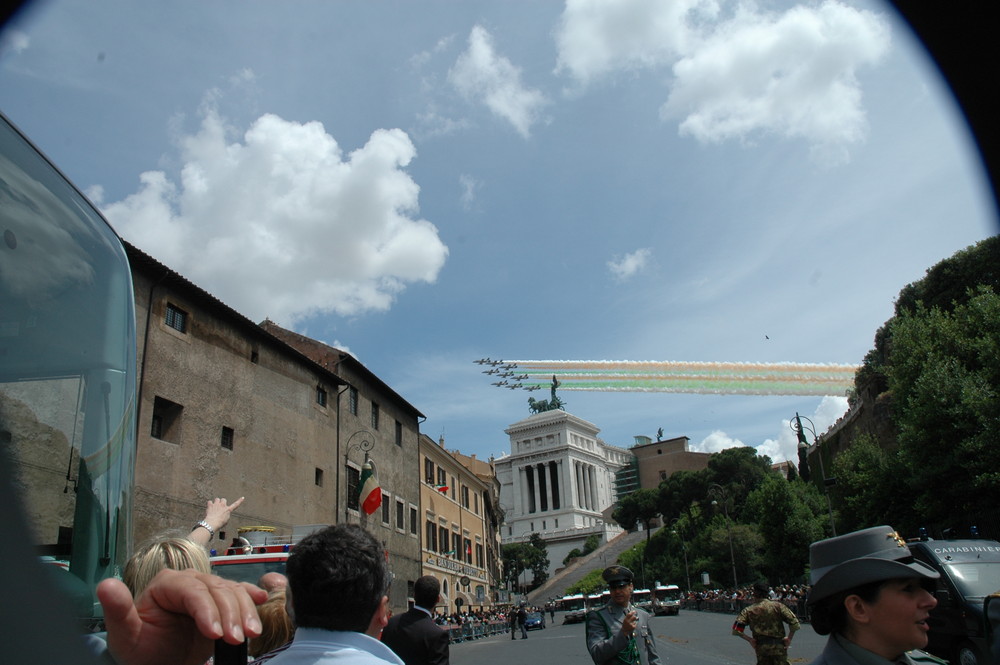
point(765, 619)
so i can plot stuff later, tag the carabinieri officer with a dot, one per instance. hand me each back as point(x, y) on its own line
point(619, 633)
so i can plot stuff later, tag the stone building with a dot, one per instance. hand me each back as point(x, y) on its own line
point(374, 422)
point(558, 481)
point(227, 408)
point(461, 526)
point(658, 460)
point(492, 520)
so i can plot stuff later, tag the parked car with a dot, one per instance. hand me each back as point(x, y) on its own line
point(535, 621)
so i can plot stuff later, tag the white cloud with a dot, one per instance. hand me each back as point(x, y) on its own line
point(791, 75)
point(627, 266)
point(737, 73)
point(282, 224)
point(469, 188)
point(13, 42)
point(596, 38)
point(480, 74)
point(786, 445)
point(716, 442)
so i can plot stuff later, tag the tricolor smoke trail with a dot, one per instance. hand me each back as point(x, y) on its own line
point(723, 378)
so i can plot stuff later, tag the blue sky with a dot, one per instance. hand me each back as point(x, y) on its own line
point(425, 184)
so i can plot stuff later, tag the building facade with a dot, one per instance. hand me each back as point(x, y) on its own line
point(460, 527)
point(375, 424)
point(227, 409)
point(658, 460)
point(559, 482)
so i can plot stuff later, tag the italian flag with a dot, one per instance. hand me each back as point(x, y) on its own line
point(370, 496)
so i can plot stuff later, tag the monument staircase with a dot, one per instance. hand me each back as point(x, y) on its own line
point(605, 555)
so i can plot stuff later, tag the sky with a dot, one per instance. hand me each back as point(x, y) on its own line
point(429, 183)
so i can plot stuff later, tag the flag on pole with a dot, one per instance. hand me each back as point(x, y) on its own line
point(370, 496)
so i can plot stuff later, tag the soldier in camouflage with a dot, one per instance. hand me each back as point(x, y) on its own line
point(766, 619)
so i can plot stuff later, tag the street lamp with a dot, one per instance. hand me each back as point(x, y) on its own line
point(361, 440)
point(717, 490)
point(687, 572)
point(800, 430)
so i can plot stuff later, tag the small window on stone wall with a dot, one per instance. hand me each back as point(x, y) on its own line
point(227, 438)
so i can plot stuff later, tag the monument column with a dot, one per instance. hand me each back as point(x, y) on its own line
point(544, 468)
point(577, 486)
point(525, 496)
point(561, 473)
point(593, 487)
point(553, 470)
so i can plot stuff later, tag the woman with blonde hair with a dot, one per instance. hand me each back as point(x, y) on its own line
point(173, 553)
point(276, 626)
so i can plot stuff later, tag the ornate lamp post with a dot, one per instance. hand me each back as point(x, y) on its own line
point(687, 572)
point(361, 440)
point(800, 430)
point(718, 491)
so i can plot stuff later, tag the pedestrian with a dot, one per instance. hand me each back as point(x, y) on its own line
point(513, 623)
point(870, 596)
point(522, 621)
point(766, 619)
point(619, 633)
point(413, 635)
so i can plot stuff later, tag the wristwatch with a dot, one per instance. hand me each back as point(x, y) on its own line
point(204, 525)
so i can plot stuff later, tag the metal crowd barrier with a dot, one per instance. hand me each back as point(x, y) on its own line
point(734, 605)
point(474, 630)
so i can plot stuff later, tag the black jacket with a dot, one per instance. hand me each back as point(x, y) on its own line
point(416, 639)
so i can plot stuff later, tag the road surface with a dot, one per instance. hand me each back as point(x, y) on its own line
point(691, 638)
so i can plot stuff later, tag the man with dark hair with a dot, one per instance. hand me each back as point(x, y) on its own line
point(337, 585)
point(766, 618)
point(413, 635)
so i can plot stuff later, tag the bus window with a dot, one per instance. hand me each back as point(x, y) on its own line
point(67, 370)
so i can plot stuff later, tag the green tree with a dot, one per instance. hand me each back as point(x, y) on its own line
point(681, 491)
point(871, 486)
point(519, 557)
point(516, 558)
point(713, 553)
point(944, 375)
point(540, 562)
point(573, 554)
point(640, 505)
point(945, 286)
point(787, 524)
point(633, 559)
point(592, 543)
point(739, 471)
point(590, 583)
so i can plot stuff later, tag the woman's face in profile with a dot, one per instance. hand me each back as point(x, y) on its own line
point(896, 621)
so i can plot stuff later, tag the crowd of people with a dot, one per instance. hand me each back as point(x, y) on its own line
point(867, 593)
point(733, 600)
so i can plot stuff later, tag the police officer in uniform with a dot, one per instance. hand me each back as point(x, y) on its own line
point(766, 619)
point(871, 597)
point(618, 633)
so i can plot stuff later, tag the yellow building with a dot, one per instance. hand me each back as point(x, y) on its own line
point(461, 532)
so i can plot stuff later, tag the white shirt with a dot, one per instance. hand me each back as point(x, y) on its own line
point(315, 646)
